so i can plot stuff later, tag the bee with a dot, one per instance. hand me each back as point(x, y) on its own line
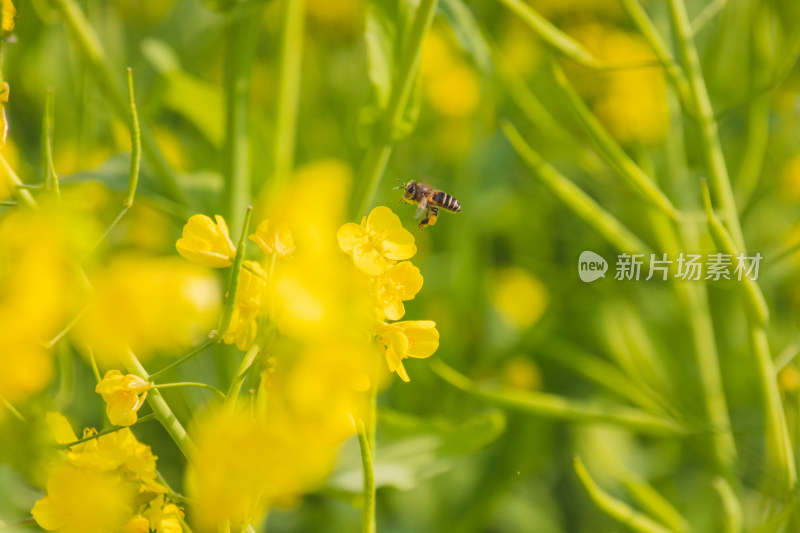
point(428, 201)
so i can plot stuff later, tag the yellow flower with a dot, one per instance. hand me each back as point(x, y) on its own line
point(164, 516)
point(274, 237)
point(9, 12)
point(138, 524)
point(150, 304)
point(412, 338)
point(206, 243)
point(249, 304)
point(124, 395)
point(377, 242)
point(399, 283)
point(83, 500)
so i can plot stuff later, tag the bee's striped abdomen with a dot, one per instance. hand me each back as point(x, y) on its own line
point(445, 201)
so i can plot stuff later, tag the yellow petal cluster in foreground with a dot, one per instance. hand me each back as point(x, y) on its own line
point(206, 243)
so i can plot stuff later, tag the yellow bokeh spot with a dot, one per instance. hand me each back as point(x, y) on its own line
point(789, 379)
point(522, 373)
point(520, 298)
point(450, 84)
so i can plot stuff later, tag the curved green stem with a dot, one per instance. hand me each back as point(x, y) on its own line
point(182, 360)
point(368, 510)
point(161, 409)
point(99, 434)
point(233, 281)
point(241, 373)
point(49, 177)
point(190, 384)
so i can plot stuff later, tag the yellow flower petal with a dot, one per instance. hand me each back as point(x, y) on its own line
point(383, 219)
point(206, 243)
point(60, 428)
point(350, 235)
point(48, 515)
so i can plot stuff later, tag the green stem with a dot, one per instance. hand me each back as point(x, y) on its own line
point(161, 409)
point(49, 177)
point(241, 373)
point(8, 405)
point(731, 505)
point(233, 281)
point(95, 370)
point(154, 376)
point(613, 152)
point(368, 510)
point(60, 335)
point(573, 197)
point(136, 145)
point(240, 42)
point(552, 406)
point(288, 90)
point(378, 155)
point(99, 434)
point(709, 136)
point(89, 45)
point(189, 384)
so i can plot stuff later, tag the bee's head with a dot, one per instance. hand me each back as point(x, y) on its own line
point(409, 189)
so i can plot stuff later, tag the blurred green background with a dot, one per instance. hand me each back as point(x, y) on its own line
point(500, 277)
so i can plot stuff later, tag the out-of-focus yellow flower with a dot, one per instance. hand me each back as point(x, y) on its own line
point(9, 12)
point(164, 516)
point(789, 179)
point(377, 242)
point(631, 102)
point(103, 484)
point(450, 84)
point(789, 378)
point(519, 298)
point(399, 283)
point(249, 304)
point(274, 237)
point(148, 304)
point(411, 338)
point(344, 17)
point(522, 373)
point(207, 243)
point(138, 524)
point(80, 500)
point(124, 395)
point(37, 284)
point(520, 46)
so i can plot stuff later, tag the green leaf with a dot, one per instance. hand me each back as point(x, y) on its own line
point(467, 32)
point(410, 449)
point(199, 102)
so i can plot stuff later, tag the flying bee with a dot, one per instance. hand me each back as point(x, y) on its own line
point(428, 201)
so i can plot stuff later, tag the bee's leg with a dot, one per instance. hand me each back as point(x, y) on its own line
point(431, 214)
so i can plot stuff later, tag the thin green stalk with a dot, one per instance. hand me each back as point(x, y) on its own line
point(93, 364)
point(99, 434)
point(240, 39)
point(13, 410)
point(709, 136)
point(233, 281)
point(780, 456)
point(108, 230)
point(189, 384)
point(601, 372)
point(154, 376)
point(136, 144)
point(49, 177)
point(708, 13)
point(22, 194)
point(646, 27)
point(615, 508)
point(161, 409)
point(60, 335)
point(753, 297)
point(288, 90)
point(613, 152)
point(241, 373)
point(731, 505)
point(89, 45)
point(368, 509)
point(552, 406)
point(378, 155)
point(552, 36)
point(573, 197)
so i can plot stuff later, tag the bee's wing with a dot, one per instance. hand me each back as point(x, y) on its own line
point(423, 205)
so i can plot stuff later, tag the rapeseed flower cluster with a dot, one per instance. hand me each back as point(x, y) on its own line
point(107, 483)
